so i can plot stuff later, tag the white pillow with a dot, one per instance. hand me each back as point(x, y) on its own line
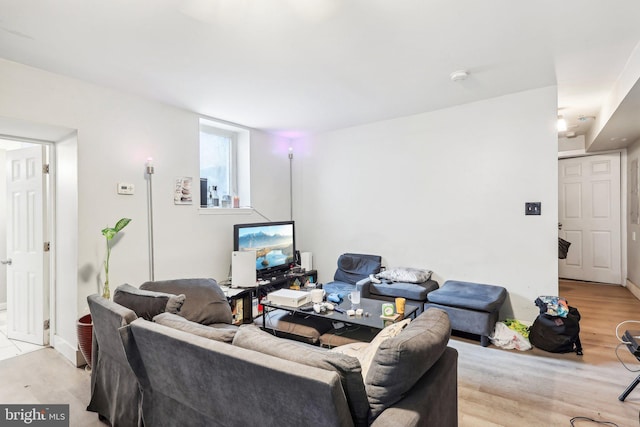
point(402, 274)
point(364, 352)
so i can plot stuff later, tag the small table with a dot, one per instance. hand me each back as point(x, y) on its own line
point(368, 305)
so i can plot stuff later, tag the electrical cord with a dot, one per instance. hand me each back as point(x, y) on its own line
point(618, 330)
point(625, 343)
point(620, 360)
point(608, 423)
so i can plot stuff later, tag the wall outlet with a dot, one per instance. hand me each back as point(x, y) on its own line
point(533, 208)
point(124, 188)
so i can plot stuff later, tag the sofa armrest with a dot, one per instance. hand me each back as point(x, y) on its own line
point(432, 401)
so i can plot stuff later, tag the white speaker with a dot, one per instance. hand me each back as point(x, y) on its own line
point(306, 260)
point(243, 269)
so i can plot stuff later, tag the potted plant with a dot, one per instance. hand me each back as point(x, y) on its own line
point(84, 332)
point(109, 233)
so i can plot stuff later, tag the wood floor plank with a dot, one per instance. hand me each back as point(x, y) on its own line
point(509, 388)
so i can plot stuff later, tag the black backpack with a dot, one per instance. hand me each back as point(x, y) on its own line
point(557, 334)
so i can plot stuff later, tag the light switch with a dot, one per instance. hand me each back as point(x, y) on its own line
point(124, 188)
point(533, 208)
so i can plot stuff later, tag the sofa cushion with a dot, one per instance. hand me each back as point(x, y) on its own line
point(348, 335)
point(147, 304)
point(365, 353)
point(205, 302)
point(224, 334)
point(402, 360)
point(474, 296)
point(287, 325)
point(412, 291)
point(252, 338)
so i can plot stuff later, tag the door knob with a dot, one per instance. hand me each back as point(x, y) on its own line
point(6, 262)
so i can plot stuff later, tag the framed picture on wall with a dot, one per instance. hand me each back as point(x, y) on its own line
point(182, 192)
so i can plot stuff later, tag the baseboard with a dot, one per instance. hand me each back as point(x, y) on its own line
point(633, 288)
point(3, 306)
point(68, 351)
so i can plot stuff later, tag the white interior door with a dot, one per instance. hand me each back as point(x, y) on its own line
point(589, 211)
point(26, 311)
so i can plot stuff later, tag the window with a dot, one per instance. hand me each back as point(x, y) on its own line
point(224, 163)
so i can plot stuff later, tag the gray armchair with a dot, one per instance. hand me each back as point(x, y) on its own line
point(115, 395)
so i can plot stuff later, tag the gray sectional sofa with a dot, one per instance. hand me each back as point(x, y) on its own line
point(195, 375)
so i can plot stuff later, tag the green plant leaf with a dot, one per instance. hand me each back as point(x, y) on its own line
point(122, 224)
point(109, 233)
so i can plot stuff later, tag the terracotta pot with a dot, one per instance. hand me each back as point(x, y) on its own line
point(84, 329)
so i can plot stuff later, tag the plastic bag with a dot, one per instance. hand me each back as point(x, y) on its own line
point(507, 338)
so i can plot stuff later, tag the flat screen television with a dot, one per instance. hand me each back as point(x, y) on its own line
point(274, 243)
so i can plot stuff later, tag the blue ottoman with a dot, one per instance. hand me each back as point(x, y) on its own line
point(472, 307)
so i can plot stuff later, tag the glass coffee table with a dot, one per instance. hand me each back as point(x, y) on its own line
point(372, 309)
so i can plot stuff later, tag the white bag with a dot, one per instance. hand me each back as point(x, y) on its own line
point(507, 338)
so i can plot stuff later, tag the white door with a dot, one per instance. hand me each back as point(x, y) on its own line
point(26, 310)
point(589, 214)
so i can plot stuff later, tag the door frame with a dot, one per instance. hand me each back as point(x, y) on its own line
point(623, 201)
point(49, 197)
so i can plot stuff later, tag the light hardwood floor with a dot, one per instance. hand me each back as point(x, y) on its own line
point(499, 387)
point(495, 387)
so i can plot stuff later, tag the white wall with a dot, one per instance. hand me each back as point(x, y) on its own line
point(442, 190)
point(116, 133)
point(633, 246)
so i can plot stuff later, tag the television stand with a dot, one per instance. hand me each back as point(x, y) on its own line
point(244, 299)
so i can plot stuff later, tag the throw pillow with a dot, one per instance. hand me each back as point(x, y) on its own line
point(147, 304)
point(402, 360)
point(174, 321)
point(365, 352)
point(408, 275)
point(253, 338)
point(205, 303)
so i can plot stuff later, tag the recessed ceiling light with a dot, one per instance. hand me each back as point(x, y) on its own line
point(459, 75)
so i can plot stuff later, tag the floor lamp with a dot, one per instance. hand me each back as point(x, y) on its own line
point(291, 183)
point(150, 171)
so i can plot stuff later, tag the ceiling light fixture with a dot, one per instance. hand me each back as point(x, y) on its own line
point(459, 75)
point(562, 124)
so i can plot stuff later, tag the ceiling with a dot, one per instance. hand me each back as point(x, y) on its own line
point(297, 66)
